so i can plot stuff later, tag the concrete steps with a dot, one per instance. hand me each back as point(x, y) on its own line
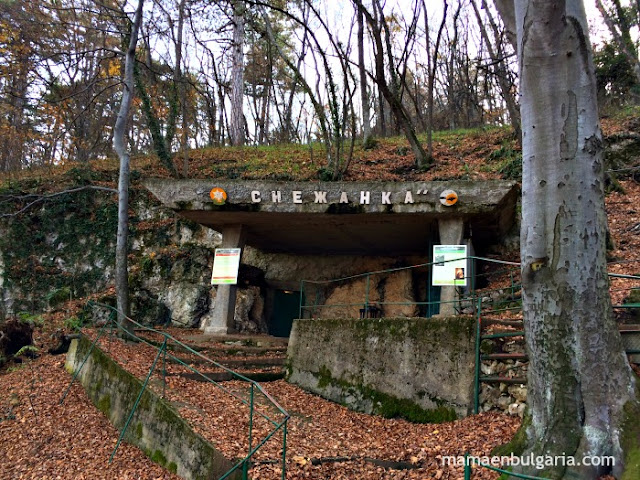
point(257, 357)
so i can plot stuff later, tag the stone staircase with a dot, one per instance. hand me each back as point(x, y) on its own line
point(504, 363)
point(503, 348)
point(256, 357)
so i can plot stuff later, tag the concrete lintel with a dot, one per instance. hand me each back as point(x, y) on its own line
point(348, 218)
point(330, 197)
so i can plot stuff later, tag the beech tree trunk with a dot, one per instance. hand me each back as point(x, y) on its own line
point(364, 94)
point(237, 76)
point(579, 379)
point(119, 145)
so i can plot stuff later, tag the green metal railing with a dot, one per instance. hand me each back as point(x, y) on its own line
point(504, 301)
point(164, 352)
point(480, 313)
point(366, 302)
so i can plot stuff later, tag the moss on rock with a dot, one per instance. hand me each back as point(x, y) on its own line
point(386, 405)
point(157, 427)
point(630, 438)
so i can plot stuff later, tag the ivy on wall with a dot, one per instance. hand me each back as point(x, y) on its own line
point(66, 241)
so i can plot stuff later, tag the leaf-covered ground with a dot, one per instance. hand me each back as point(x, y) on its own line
point(44, 440)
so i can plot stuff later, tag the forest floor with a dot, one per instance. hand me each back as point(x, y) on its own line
point(41, 439)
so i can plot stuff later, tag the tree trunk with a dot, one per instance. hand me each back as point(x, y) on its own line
point(237, 76)
point(182, 89)
point(364, 96)
point(621, 37)
point(432, 63)
point(452, 104)
point(500, 70)
point(390, 89)
point(579, 378)
point(119, 145)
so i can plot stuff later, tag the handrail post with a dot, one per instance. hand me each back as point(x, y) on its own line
point(284, 449)
point(164, 369)
point(300, 314)
point(135, 405)
point(476, 406)
point(512, 284)
point(247, 463)
point(366, 295)
point(467, 467)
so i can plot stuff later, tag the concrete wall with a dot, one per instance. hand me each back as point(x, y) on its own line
point(156, 427)
point(418, 368)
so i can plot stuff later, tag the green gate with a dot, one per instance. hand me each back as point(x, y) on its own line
point(286, 308)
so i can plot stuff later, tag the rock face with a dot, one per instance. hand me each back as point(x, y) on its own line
point(179, 281)
point(249, 314)
point(70, 252)
point(392, 293)
point(71, 249)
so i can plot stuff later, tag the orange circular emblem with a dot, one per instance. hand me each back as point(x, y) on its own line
point(448, 198)
point(218, 195)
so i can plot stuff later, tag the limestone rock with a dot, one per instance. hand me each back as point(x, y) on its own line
point(519, 392)
point(249, 313)
point(394, 292)
point(398, 289)
point(489, 395)
point(504, 401)
point(489, 368)
point(346, 300)
point(147, 309)
point(187, 302)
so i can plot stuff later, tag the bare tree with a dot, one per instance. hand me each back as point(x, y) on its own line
point(364, 94)
point(500, 69)
point(432, 66)
point(237, 75)
point(620, 30)
point(119, 145)
point(385, 64)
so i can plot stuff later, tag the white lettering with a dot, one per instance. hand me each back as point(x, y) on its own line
point(255, 196)
point(386, 198)
point(297, 196)
point(321, 197)
point(365, 197)
point(408, 198)
point(343, 197)
point(276, 196)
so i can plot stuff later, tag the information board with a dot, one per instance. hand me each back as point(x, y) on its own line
point(225, 266)
point(449, 265)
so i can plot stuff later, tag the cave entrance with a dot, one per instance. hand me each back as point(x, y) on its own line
point(286, 308)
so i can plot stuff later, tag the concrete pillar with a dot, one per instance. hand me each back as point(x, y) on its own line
point(451, 232)
point(224, 306)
